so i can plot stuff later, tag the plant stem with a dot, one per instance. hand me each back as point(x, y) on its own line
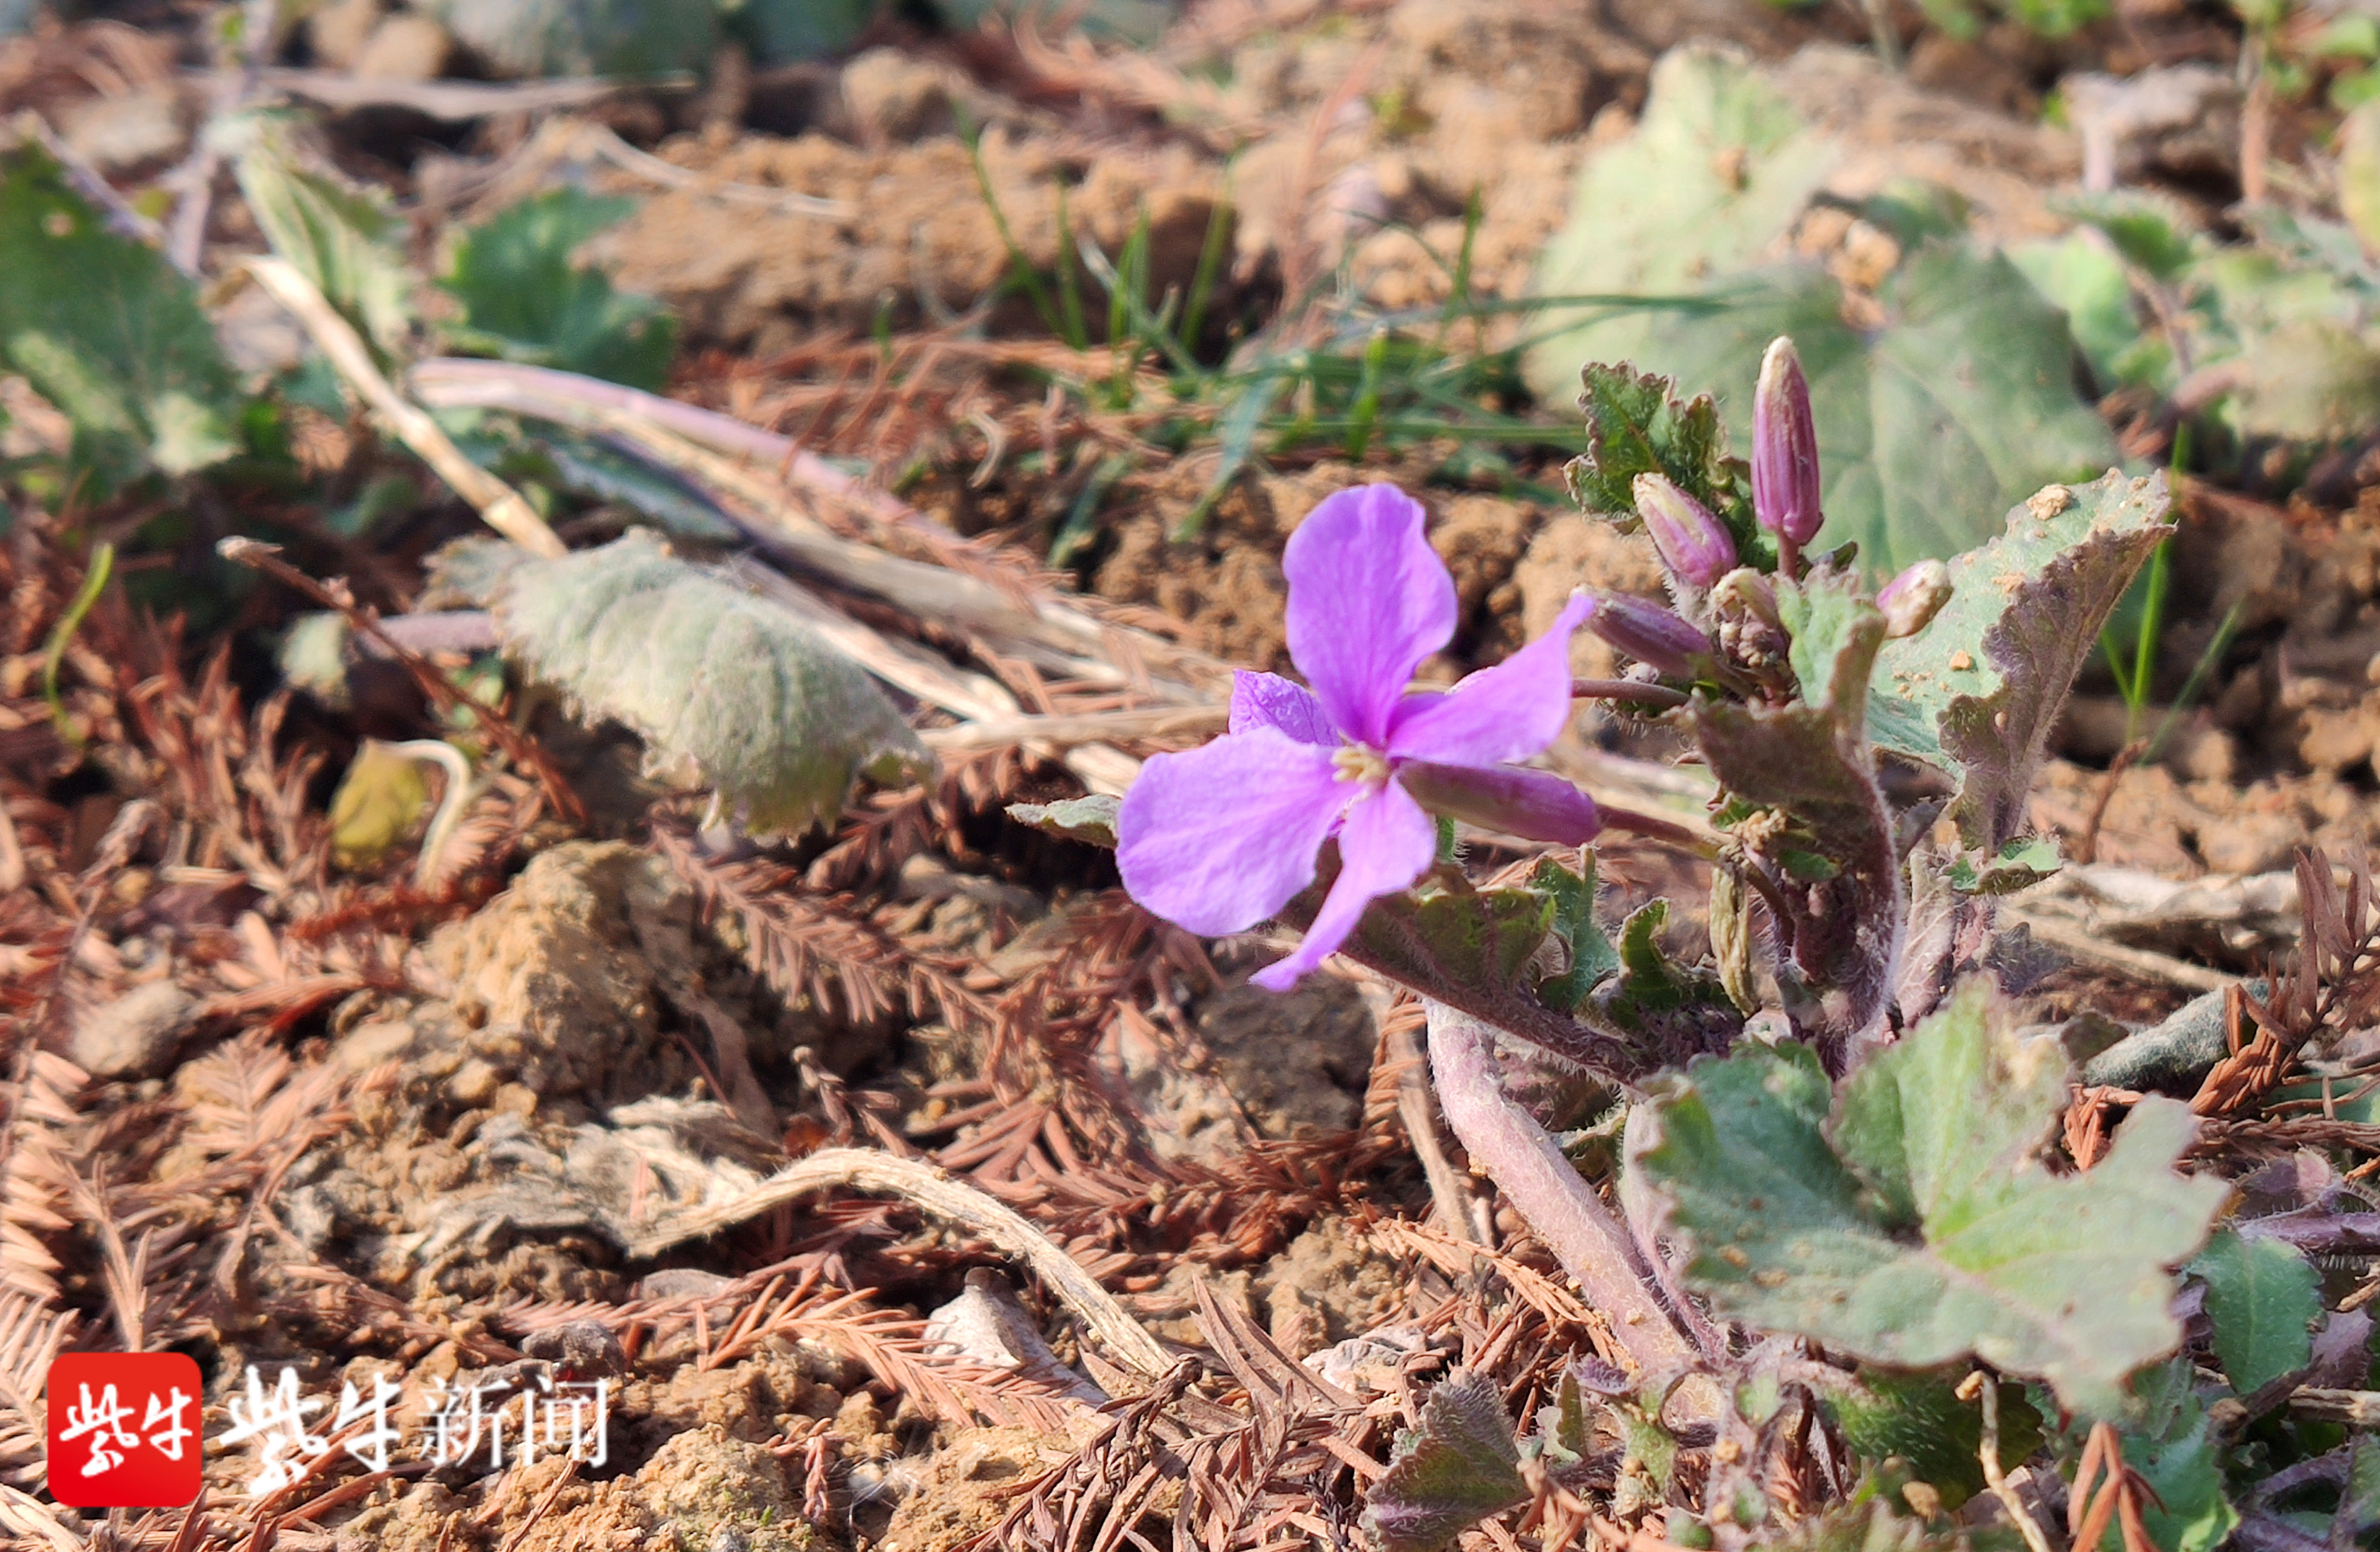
point(1626, 689)
point(1592, 1245)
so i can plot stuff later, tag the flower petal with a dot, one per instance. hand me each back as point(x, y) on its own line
point(1368, 600)
point(1385, 844)
point(1501, 713)
point(1217, 838)
point(1270, 700)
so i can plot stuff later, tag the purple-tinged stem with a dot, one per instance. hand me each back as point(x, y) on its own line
point(1626, 689)
point(1593, 1246)
point(454, 630)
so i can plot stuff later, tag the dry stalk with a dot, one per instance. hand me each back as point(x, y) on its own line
point(1987, 1454)
point(938, 1197)
point(502, 507)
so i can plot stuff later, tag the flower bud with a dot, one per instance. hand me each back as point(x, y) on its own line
point(1747, 593)
point(1785, 448)
point(1531, 805)
point(1911, 600)
point(1694, 545)
point(1751, 631)
point(1650, 634)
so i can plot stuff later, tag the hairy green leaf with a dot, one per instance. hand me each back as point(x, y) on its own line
point(1908, 1219)
point(2020, 865)
point(525, 298)
point(1636, 424)
point(105, 329)
point(1458, 1468)
point(726, 689)
point(1592, 956)
point(1719, 168)
point(2263, 1298)
point(342, 235)
point(1978, 691)
point(1919, 1417)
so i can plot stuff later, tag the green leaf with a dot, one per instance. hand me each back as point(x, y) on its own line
point(2263, 1298)
point(1719, 168)
point(581, 37)
point(726, 689)
point(791, 31)
point(1091, 820)
point(108, 331)
point(2310, 379)
point(1978, 691)
point(525, 300)
point(2359, 173)
point(342, 235)
point(1458, 1468)
point(381, 800)
point(1919, 1417)
point(2086, 280)
point(1592, 957)
point(313, 656)
point(2169, 1439)
point(2020, 863)
point(1636, 424)
point(1909, 1221)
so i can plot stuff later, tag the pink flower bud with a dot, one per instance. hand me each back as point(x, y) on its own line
point(1911, 600)
point(1650, 634)
point(1694, 545)
point(1533, 805)
point(1785, 496)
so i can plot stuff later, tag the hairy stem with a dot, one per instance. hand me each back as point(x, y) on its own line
point(1593, 1245)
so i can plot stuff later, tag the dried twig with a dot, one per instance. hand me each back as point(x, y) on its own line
point(936, 1195)
point(517, 747)
point(502, 507)
point(1979, 1385)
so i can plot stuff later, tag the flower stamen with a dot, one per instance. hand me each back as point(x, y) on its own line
point(1357, 762)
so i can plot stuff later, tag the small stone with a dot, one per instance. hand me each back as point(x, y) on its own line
point(136, 129)
point(338, 31)
point(586, 1349)
point(133, 1037)
point(474, 1084)
point(368, 1044)
point(405, 48)
point(894, 96)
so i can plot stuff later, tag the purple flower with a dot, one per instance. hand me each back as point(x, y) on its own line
point(1784, 448)
point(1221, 837)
